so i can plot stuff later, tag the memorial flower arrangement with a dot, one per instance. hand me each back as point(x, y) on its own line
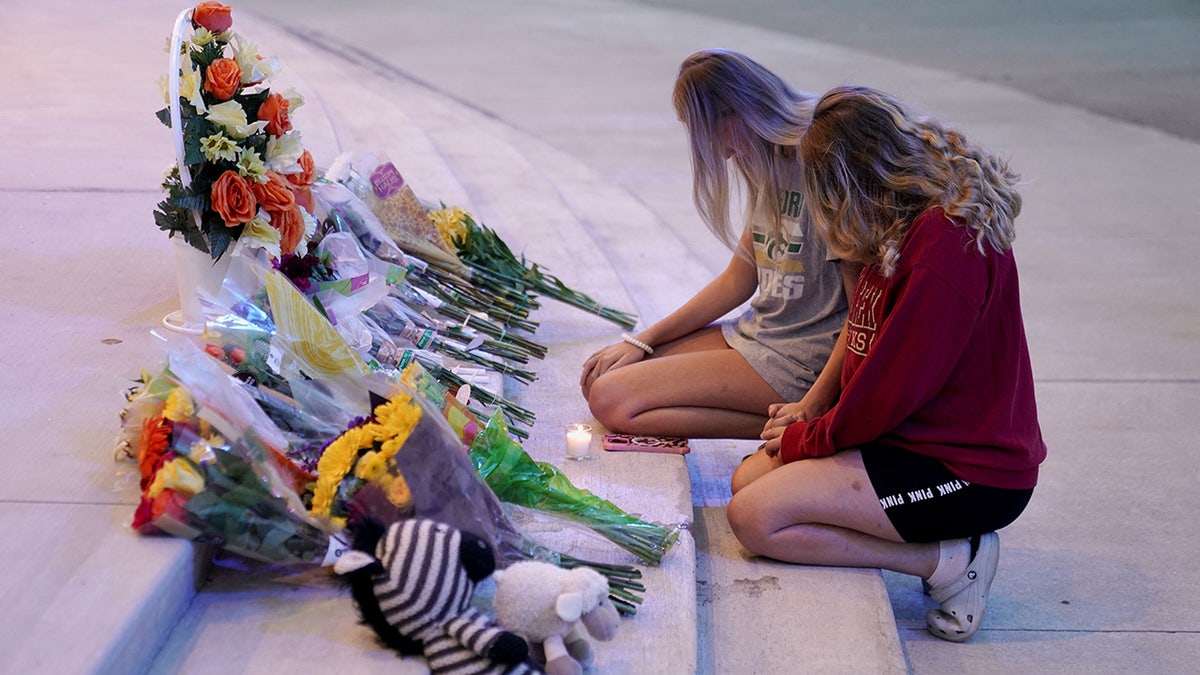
point(455, 245)
point(325, 389)
point(389, 466)
point(517, 479)
point(214, 466)
point(246, 172)
point(497, 267)
point(210, 467)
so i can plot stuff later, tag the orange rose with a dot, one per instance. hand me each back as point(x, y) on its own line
point(233, 200)
point(275, 194)
point(308, 171)
point(214, 16)
point(223, 78)
point(274, 111)
point(290, 224)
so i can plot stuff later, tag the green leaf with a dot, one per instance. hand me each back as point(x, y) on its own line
point(169, 218)
point(204, 56)
point(195, 239)
point(164, 116)
point(192, 154)
point(252, 102)
point(221, 237)
point(194, 202)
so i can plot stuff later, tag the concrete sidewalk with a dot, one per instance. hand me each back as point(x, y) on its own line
point(573, 98)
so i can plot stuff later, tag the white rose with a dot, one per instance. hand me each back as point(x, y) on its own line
point(283, 153)
point(231, 117)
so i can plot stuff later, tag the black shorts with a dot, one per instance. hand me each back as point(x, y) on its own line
point(926, 502)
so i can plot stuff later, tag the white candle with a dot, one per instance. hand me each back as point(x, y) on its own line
point(579, 441)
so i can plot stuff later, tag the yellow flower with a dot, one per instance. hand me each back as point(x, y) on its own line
point(333, 466)
point(250, 165)
point(201, 452)
point(394, 421)
point(190, 85)
point(450, 222)
point(177, 475)
point(398, 492)
point(396, 418)
point(371, 466)
point(218, 147)
point(201, 36)
point(232, 118)
point(179, 405)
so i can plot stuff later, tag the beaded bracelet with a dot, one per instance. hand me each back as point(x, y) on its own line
point(638, 343)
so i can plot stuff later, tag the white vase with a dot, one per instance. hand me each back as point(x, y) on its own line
point(198, 277)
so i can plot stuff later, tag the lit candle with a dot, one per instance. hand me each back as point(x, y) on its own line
point(579, 441)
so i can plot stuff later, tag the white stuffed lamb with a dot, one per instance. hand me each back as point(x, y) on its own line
point(550, 606)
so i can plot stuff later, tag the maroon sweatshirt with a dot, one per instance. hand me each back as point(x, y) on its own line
point(937, 363)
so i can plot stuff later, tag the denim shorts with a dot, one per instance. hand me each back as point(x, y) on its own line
point(926, 502)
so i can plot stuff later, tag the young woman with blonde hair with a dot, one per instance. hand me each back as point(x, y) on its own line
point(690, 374)
point(934, 442)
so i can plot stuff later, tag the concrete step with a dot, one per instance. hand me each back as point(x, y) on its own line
point(762, 616)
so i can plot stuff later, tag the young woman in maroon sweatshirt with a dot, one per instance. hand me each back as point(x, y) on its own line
point(934, 441)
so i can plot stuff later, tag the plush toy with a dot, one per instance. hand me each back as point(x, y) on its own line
point(413, 583)
point(552, 607)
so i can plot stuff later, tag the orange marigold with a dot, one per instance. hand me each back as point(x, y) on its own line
point(152, 447)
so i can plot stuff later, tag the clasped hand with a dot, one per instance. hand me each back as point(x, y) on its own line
point(780, 415)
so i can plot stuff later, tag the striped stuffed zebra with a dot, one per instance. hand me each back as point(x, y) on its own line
point(413, 583)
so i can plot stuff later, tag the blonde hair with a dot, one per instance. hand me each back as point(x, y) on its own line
point(871, 167)
point(727, 100)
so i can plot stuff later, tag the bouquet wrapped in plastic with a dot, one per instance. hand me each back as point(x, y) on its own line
point(212, 467)
point(303, 318)
point(516, 478)
point(446, 291)
point(496, 266)
point(450, 238)
point(428, 315)
point(215, 467)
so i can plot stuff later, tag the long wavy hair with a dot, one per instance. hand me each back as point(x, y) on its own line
point(729, 102)
point(871, 167)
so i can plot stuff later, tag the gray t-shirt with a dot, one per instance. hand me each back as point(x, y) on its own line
point(793, 322)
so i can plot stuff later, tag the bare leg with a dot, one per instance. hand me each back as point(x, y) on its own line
point(752, 468)
point(696, 386)
point(821, 512)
